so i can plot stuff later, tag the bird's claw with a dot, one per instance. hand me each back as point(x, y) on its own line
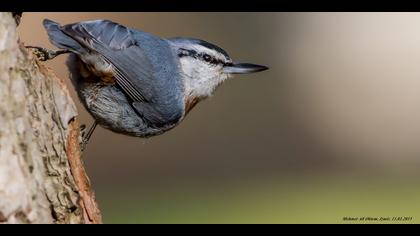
point(83, 134)
point(83, 144)
point(82, 129)
point(44, 54)
point(41, 53)
point(86, 136)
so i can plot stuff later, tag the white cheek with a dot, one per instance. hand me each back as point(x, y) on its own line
point(191, 69)
point(200, 79)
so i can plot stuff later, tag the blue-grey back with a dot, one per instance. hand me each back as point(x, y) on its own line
point(163, 60)
point(147, 67)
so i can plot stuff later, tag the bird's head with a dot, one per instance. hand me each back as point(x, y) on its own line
point(204, 66)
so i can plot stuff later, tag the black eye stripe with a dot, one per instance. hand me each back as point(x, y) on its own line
point(185, 52)
point(200, 56)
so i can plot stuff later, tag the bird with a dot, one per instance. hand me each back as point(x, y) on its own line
point(133, 82)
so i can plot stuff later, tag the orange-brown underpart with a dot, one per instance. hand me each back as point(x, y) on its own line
point(89, 74)
point(190, 102)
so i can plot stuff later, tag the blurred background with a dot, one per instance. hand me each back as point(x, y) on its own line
point(332, 130)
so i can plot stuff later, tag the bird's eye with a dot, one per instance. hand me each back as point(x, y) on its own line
point(207, 57)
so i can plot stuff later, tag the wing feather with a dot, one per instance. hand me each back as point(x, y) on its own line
point(144, 67)
point(111, 41)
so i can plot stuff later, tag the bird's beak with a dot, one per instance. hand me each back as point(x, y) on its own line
point(243, 68)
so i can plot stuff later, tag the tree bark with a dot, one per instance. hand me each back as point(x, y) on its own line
point(42, 178)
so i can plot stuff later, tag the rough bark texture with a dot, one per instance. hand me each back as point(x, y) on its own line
point(42, 179)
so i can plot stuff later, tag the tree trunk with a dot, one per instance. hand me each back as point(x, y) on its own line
point(42, 178)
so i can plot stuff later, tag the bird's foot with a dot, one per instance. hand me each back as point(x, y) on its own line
point(83, 144)
point(82, 129)
point(86, 136)
point(44, 54)
point(82, 133)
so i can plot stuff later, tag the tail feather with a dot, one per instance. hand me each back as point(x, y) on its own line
point(59, 39)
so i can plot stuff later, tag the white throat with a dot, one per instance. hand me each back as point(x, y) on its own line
point(200, 80)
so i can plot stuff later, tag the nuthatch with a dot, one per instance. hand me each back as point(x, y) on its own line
point(136, 83)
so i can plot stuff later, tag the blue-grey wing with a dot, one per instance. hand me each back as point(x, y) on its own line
point(145, 66)
point(111, 34)
point(160, 89)
point(109, 37)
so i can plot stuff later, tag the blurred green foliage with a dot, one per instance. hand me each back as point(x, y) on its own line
point(321, 201)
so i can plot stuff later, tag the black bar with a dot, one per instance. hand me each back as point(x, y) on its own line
point(207, 5)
